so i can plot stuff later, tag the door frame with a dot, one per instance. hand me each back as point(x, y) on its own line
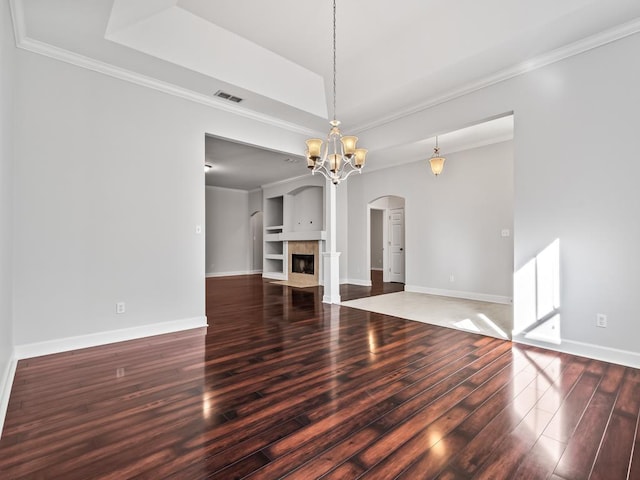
point(256, 266)
point(385, 237)
point(385, 241)
point(404, 242)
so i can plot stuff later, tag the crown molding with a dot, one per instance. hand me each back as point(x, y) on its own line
point(283, 181)
point(237, 190)
point(594, 41)
point(425, 157)
point(576, 48)
point(17, 20)
point(48, 50)
point(63, 55)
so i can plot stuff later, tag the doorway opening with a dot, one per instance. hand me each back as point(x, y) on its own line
point(386, 234)
point(255, 229)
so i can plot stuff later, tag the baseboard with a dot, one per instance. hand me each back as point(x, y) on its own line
point(5, 389)
point(589, 350)
point(335, 299)
point(355, 281)
point(274, 276)
point(481, 297)
point(233, 274)
point(49, 347)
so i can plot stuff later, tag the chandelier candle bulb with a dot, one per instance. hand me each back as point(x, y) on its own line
point(361, 155)
point(310, 161)
point(349, 144)
point(314, 145)
point(335, 161)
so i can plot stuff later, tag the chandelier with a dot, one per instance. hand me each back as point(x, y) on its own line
point(436, 161)
point(338, 157)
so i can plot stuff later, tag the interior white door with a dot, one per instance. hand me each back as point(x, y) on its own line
point(396, 245)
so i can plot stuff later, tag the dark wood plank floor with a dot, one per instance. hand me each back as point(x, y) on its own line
point(378, 287)
point(282, 386)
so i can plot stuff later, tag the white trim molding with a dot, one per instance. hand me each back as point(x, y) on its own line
point(67, 56)
point(576, 48)
point(59, 345)
point(588, 350)
point(233, 274)
point(481, 297)
point(601, 38)
point(6, 382)
point(356, 281)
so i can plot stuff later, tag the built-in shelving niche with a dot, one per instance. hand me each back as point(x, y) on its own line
point(274, 265)
point(295, 216)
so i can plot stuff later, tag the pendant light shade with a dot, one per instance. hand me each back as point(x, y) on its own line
point(436, 161)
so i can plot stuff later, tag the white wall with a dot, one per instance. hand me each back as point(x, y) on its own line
point(452, 223)
point(228, 245)
point(307, 212)
point(576, 169)
point(109, 212)
point(7, 70)
point(108, 190)
point(255, 201)
point(377, 250)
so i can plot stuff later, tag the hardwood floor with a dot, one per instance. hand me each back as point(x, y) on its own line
point(282, 386)
point(378, 287)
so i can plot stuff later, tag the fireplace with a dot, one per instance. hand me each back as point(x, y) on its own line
point(301, 263)
point(304, 266)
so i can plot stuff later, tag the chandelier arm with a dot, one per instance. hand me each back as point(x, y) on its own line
point(353, 169)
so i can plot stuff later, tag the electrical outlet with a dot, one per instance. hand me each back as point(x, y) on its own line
point(601, 320)
point(120, 307)
point(198, 229)
point(452, 278)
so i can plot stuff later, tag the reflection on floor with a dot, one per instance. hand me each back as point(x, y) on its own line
point(378, 287)
point(493, 319)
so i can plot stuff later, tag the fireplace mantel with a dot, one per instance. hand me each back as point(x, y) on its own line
point(303, 236)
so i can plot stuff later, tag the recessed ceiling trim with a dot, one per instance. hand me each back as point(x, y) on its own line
point(180, 37)
point(66, 56)
point(576, 48)
point(286, 180)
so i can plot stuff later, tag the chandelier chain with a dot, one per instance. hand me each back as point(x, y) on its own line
point(334, 59)
point(338, 157)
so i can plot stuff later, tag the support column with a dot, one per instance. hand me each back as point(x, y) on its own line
point(331, 274)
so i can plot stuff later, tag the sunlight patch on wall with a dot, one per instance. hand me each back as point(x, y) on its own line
point(537, 296)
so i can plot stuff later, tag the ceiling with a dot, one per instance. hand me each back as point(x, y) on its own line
point(276, 55)
point(246, 167)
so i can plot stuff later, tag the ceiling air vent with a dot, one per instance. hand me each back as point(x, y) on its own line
point(227, 96)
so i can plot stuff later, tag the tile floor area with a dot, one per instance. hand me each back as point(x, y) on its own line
point(493, 319)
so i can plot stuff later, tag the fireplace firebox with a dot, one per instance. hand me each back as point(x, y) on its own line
point(302, 264)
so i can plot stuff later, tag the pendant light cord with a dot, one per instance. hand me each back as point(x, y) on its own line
point(334, 60)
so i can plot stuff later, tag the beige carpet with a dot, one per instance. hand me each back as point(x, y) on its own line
point(493, 319)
